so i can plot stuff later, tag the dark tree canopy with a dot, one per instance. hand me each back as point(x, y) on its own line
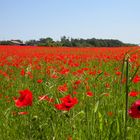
point(72, 42)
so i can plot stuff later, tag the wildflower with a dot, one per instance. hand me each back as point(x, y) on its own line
point(118, 73)
point(106, 74)
point(85, 69)
point(79, 72)
point(89, 93)
point(92, 72)
point(22, 72)
point(99, 71)
point(54, 76)
point(123, 80)
point(136, 79)
point(67, 103)
point(75, 86)
point(4, 74)
point(64, 71)
point(23, 113)
point(107, 85)
point(74, 92)
point(133, 93)
point(63, 88)
point(77, 82)
point(133, 58)
point(25, 98)
point(39, 81)
point(134, 110)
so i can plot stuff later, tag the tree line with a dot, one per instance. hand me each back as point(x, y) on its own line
point(71, 42)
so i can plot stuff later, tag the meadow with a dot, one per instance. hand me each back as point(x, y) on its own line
point(49, 93)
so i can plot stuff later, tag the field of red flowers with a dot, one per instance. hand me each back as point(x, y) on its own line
point(49, 93)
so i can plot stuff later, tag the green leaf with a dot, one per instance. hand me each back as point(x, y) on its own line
point(96, 106)
point(100, 121)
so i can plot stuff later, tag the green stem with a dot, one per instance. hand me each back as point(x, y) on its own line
point(122, 75)
point(135, 73)
point(126, 97)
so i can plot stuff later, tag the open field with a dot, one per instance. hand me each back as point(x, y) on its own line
point(68, 93)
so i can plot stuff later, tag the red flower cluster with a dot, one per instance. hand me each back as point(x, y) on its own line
point(136, 79)
point(3, 73)
point(64, 71)
point(25, 98)
point(63, 88)
point(134, 110)
point(67, 103)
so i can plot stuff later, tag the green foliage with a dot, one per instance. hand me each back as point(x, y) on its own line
point(71, 42)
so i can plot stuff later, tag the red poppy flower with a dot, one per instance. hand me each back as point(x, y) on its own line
point(54, 76)
point(39, 81)
point(118, 73)
point(107, 85)
point(77, 82)
point(92, 72)
point(99, 71)
point(133, 93)
point(106, 74)
point(89, 93)
point(22, 72)
point(25, 98)
point(64, 71)
point(134, 110)
point(74, 92)
point(23, 113)
point(136, 79)
point(124, 80)
point(67, 103)
point(63, 88)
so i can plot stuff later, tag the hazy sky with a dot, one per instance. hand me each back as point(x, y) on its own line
point(34, 19)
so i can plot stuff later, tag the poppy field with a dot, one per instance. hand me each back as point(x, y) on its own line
point(49, 93)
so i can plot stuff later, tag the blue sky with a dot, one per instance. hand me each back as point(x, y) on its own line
point(34, 19)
